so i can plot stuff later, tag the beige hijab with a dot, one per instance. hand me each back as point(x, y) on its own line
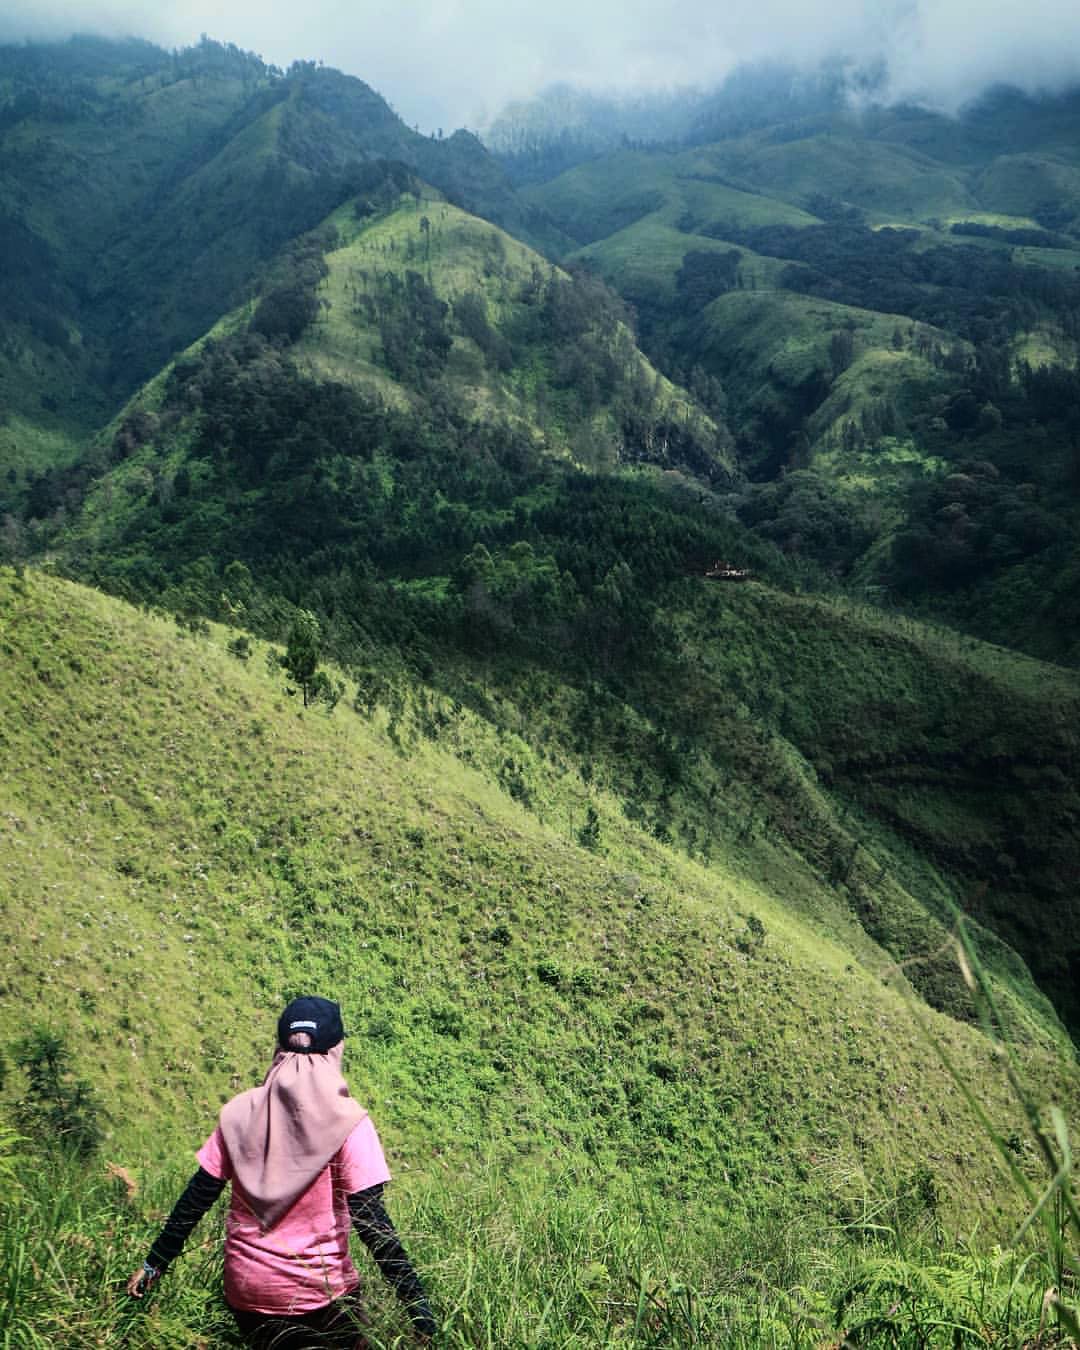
point(281, 1135)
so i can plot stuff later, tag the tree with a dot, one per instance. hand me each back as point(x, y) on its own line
point(285, 312)
point(301, 659)
point(841, 351)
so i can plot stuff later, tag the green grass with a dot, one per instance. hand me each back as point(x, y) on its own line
point(885, 180)
point(1021, 183)
point(596, 199)
point(616, 193)
point(182, 817)
point(768, 340)
point(642, 262)
point(1045, 346)
point(460, 253)
point(28, 447)
point(583, 1260)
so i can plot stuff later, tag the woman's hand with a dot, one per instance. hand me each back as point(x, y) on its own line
point(142, 1281)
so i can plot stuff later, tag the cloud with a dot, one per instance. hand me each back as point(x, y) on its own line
point(454, 62)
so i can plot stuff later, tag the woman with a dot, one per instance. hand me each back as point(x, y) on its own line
point(305, 1162)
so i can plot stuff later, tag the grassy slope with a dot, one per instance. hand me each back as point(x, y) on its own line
point(900, 168)
point(789, 337)
point(769, 342)
point(643, 260)
point(183, 848)
point(762, 340)
point(170, 811)
point(458, 254)
point(909, 769)
point(889, 183)
point(1022, 183)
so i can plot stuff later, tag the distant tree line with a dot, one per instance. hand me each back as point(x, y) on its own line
point(975, 292)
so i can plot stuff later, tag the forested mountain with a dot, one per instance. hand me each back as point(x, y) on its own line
point(143, 194)
point(883, 304)
point(598, 513)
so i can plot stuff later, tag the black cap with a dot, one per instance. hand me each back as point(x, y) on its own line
point(320, 1018)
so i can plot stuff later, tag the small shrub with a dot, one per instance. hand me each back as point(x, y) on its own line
point(381, 1030)
point(589, 834)
point(584, 981)
point(58, 1108)
point(752, 937)
point(547, 972)
point(447, 1022)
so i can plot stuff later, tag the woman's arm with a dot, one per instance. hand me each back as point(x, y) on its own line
point(199, 1194)
point(378, 1234)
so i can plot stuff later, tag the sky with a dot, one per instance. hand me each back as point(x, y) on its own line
point(450, 63)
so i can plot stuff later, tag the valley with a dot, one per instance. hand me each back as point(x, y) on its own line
point(709, 946)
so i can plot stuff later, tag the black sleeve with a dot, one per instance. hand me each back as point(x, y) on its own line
point(378, 1234)
point(199, 1194)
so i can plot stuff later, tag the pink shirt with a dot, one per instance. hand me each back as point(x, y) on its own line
point(303, 1261)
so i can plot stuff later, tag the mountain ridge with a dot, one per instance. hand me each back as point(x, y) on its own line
point(486, 641)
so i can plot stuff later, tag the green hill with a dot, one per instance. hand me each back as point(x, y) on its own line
point(425, 348)
point(184, 846)
point(878, 301)
point(144, 193)
point(454, 454)
point(708, 934)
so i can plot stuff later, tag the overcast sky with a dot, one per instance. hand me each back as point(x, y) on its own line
point(456, 62)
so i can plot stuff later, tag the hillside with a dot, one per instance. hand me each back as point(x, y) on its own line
point(544, 652)
point(913, 284)
point(144, 193)
point(184, 847)
point(458, 458)
point(880, 299)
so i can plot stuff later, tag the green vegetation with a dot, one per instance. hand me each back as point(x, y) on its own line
point(103, 286)
point(642, 890)
point(609, 1067)
point(869, 302)
point(453, 530)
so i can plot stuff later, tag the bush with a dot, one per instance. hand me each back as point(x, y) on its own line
point(589, 834)
point(547, 972)
point(58, 1108)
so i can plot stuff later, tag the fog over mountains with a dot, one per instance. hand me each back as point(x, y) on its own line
point(445, 64)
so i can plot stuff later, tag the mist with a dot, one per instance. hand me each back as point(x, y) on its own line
point(449, 63)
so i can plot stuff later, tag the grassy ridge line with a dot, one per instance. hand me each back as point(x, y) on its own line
point(182, 850)
point(458, 254)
